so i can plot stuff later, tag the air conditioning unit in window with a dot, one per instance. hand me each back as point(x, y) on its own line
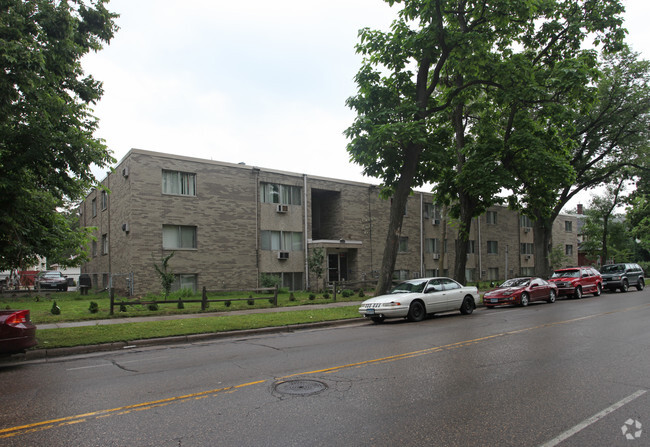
point(435, 221)
point(283, 255)
point(436, 256)
point(527, 230)
point(527, 257)
point(125, 227)
point(282, 209)
point(125, 172)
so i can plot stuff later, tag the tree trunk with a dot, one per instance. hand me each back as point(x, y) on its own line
point(604, 255)
point(542, 242)
point(465, 223)
point(397, 208)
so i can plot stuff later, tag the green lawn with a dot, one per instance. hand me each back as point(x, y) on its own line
point(75, 307)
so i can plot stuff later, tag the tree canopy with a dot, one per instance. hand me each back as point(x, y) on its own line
point(446, 97)
point(47, 143)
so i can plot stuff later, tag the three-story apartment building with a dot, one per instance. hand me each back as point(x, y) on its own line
point(228, 224)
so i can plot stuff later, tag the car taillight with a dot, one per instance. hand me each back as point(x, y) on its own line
point(22, 316)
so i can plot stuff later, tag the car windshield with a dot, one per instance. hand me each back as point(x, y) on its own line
point(409, 287)
point(612, 268)
point(516, 282)
point(51, 275)
point(567, 274)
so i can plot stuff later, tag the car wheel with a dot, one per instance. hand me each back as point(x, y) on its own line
point(624, 286)
point(599, 289)
point(551, 296)
point(578, 293)
point(640, 285)
point(416, 311)
point(468, 306)
point(377, 320)
point(524, 299)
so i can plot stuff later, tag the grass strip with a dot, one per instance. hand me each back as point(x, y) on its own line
point(127, 332)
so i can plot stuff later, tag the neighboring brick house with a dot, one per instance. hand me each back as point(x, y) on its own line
point(230, 223)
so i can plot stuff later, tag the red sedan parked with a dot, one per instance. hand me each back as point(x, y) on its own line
point(521, 291)
point(17, 333)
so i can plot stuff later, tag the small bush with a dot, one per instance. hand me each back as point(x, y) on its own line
point(326, 295)
point(361, 294)
point(152, 306)
point(56, 310)
point(93, 308)
point(312, 297)
point(346, 293)
point(292, 297)
point(122, 307)
point(180, 304)
point(227, 303)
point(251, 302)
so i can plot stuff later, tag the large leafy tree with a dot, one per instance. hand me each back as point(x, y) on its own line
point(605, 135)
point(425, 100)
point(47, 145)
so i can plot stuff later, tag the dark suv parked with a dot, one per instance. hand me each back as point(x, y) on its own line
point(622, 276)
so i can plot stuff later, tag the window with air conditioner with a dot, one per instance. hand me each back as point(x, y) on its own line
point(280, 194)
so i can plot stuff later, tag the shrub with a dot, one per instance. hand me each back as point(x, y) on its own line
point(180, 304)
point(361, 294)
point(226, 303)
point(250, 302)
point(152, 306)
point(93, 308)
point(56, 310)
point(267, 280)
point(122, 307)
point(312, 296)
point(346, 293)
point(292, 297)
point(326, 295)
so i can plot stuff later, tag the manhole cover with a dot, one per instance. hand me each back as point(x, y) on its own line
point(300, 387)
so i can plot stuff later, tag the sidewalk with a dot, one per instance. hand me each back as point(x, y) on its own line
point(45, 354)
point(189, 316)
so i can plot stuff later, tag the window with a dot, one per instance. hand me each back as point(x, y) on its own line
point(493, 247)
point(178, 183)
point(528, 271)
point(184, 282)
point(493, 273)
point(491, 217)
point(93, 204)
point(429, 209)
point(568, 226)
point(283, 194)
point(281, 240)
point(401, 275)
point(470, 275)
point(432, 245)
point(179, 236)
point(524, 221)
point(104, 244)
point(104, 200)
point(527, 249)
point(471, 247)
point(403, 245)
point(568, 250)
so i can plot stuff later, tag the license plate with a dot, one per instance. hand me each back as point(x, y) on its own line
point(494, 300)
point(370, 311)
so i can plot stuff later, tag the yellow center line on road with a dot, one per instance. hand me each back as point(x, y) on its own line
point(59, 422)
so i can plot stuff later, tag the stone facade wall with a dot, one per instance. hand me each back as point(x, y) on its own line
point(229, 216)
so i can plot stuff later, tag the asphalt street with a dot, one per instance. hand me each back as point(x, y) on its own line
point(572, 373)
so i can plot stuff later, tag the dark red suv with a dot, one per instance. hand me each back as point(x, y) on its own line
point(576, 281)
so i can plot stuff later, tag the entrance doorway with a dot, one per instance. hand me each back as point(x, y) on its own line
point(337, 267)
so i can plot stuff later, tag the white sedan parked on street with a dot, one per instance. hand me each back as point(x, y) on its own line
point(416, 298)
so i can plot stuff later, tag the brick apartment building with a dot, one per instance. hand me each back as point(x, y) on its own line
point(228, 224)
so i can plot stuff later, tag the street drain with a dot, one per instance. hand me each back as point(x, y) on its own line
point(300, 387)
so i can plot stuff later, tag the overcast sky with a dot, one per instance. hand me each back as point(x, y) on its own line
point(258, 82)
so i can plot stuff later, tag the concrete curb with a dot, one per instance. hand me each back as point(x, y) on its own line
point(47, 354)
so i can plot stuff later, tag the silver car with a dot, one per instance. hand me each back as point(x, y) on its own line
point(417, 298)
